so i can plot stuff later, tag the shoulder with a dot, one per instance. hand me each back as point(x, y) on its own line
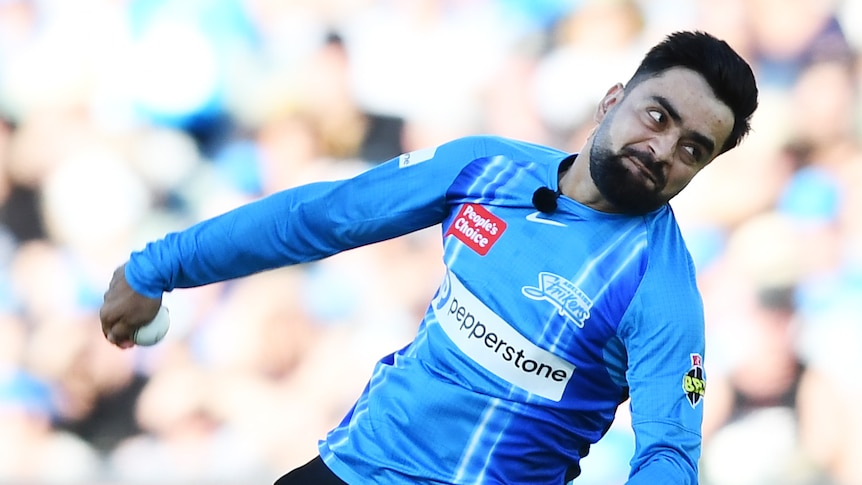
point(667, 300)
point(670, 274)
point(666, 244)
point(493, 145)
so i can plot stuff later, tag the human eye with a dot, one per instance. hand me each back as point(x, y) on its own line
point(656, 115)
point(693, 153)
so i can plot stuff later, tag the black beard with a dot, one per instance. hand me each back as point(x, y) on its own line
point(623, 189)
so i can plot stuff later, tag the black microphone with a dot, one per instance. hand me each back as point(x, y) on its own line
point(545, 199)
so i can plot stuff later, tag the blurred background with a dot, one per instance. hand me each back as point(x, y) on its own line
point(122, 120)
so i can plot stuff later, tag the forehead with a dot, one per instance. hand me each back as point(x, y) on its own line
point(692, 97)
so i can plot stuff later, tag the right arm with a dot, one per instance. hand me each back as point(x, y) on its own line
point(297, 225)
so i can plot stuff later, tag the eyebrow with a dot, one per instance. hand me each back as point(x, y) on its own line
point(696, 136)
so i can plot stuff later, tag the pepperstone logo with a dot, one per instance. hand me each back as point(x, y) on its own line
point(491, 342)
point(476, 227)
point(443, 293)
point(694, 381)
point(571, 302)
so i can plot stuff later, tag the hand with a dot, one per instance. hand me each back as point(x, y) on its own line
point(124, 310)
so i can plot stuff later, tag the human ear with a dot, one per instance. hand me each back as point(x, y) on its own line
point(612, 97)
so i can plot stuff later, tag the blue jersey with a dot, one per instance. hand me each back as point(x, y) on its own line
point(542, 326)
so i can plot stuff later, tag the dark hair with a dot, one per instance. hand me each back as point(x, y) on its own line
point(727, 73)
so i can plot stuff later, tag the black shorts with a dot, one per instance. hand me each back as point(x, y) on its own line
point(314, 472)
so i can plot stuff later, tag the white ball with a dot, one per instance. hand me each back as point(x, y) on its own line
point(153, 332)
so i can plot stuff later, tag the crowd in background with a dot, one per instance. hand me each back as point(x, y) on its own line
point(123, 120)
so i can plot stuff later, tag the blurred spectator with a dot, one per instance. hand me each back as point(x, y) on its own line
point(180, 61)
point(427, 60)
point(20, 208)
point(95, 389)
point(184, 441)
point(595, 46)
point(31, 450)
point(729, 20)
point(755, 370)
point(788, 35)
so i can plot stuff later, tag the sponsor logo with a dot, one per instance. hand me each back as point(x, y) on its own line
point(444, 292)
point(537, 217)
point(494, 344)
point(694, 381)
point(571, 302)
point(416, 157)
point(477, 228)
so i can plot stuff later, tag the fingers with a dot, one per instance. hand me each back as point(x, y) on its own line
point(114, 328)
point(106, 318)
point(124, 310)
point(120, 335)
point(109, 313)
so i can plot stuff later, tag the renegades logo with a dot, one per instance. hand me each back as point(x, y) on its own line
point(694, 381)
point(477, 228)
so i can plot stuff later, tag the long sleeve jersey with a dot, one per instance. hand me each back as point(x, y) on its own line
point(542, 326)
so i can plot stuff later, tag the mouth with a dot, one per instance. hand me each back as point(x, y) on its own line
point(642, 169)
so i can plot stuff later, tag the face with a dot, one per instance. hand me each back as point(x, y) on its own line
point(652, 140)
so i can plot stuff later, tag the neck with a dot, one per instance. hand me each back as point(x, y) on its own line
point(577, 184)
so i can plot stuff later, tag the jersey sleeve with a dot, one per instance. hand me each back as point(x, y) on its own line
point(664, 338)
point(306, 223)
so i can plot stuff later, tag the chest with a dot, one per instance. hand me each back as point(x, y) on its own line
point(561, 279)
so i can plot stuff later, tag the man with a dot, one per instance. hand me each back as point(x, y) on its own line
point(568, 286)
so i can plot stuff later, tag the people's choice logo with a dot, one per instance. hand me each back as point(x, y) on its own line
point(477, 228)
point(569, 300)
point(494, 344)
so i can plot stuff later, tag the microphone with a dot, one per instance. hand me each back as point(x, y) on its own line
point(545, 199)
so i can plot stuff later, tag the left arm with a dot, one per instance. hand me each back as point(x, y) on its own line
point(664, 338)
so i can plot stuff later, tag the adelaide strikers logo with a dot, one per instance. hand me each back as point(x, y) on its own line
point(571, 302)
point(694, 381)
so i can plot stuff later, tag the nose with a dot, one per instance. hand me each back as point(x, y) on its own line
point(662, 146)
